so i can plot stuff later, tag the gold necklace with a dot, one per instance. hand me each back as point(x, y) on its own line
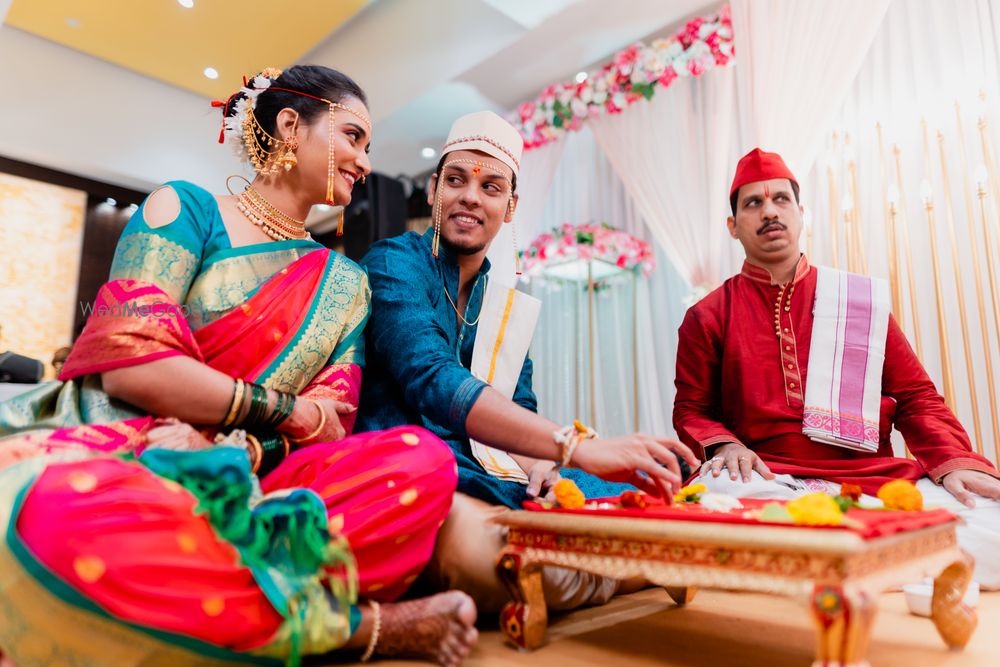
point(457, 312)
point(273, 222)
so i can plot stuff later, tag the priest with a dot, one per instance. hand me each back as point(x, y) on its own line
point(790, 378)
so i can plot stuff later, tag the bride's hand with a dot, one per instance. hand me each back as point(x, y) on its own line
point(305, 419)
point(171, 433)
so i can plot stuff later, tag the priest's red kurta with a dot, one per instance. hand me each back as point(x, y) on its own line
point(742, 357)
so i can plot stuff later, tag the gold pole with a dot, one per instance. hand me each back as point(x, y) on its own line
point(988, 159)
point(635, 349)
point(991, 167)
point(578, 360)
point(895, 284)
point(983, 327)
point(889, 206)
point(906, 253)
point(861, 261)
point(960, 291)
point(834, 214)
point(590, 336)
point(834, 208)
point(849, 235)
point(948, 390)
point(994, 292)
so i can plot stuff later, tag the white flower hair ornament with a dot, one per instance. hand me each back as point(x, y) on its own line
point(235, 113)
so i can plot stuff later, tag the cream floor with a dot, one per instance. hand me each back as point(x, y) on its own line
point(730, 630)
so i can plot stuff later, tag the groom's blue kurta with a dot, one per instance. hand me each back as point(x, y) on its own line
point(418, 355)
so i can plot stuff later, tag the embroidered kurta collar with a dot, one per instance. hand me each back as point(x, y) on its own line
point(761, 275)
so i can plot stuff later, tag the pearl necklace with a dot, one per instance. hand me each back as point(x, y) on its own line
point(276, 224)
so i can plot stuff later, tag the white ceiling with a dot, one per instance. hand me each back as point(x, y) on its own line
point(422, 62)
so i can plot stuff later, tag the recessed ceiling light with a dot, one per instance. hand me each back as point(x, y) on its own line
point(72, 22)
point(427, 152)
point(111, 202)
point(581, 77)
point(211, 73)
point(186, 3)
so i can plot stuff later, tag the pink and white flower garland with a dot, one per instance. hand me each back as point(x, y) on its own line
point(633, 74)
point(584, 242)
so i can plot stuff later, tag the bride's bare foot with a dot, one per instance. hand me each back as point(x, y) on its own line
point(439, 628)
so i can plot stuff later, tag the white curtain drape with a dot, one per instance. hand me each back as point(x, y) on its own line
point(538, 168)
point(585, 188)
point(796, 60)
point(918, 93)
point(675, 155)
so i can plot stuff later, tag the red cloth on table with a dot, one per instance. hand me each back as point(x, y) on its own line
point(877, 523)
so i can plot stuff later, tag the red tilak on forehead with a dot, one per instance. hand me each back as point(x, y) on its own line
point(767, 192)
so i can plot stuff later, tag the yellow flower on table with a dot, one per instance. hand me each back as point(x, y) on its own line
point(689, 494)
point(901, 494)
point(815, 509)
point(568, 494)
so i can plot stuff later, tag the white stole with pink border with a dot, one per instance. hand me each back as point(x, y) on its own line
point(846, 354)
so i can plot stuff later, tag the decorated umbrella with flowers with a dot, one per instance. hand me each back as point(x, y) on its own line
point(593, 255)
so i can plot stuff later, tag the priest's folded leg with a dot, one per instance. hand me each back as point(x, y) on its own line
point(979, 534)
point(465, 559)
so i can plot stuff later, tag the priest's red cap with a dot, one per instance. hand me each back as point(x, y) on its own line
point(758, 165)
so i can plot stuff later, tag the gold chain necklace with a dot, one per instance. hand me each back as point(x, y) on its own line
point(457, 312)
point(273, 222)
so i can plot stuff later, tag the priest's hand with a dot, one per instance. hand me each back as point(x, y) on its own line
point(542, 476)
point(625, 458)
point(740, 460)
point(964, 483)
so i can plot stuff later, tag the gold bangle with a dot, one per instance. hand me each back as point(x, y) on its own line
point(319, 429)
point(376, 629)
point(288, 444)
point(237, 403)
point(258, 453)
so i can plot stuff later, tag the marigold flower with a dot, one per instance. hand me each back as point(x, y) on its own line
point(815, 509)
point(568, 494)
point(633, 499)
point(901, 494)
point(852, 491)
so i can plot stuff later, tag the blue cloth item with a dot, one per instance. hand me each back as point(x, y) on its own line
point(418, 356)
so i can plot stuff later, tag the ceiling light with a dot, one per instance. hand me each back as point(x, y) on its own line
point(427, 152)
point(581, 77)
point(111, 202)
point(211, 73)
point(72, 22)
point(186, 3)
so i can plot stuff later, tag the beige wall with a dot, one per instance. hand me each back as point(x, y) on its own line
point(41, 233)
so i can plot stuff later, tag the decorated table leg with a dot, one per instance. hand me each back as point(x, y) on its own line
point(682, 595)
point(843, 626)
point(524, 620)
point(955, 621)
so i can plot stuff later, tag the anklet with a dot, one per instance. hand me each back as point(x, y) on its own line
point(376, 629)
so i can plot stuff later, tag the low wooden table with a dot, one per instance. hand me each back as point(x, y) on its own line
point(836, 573)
